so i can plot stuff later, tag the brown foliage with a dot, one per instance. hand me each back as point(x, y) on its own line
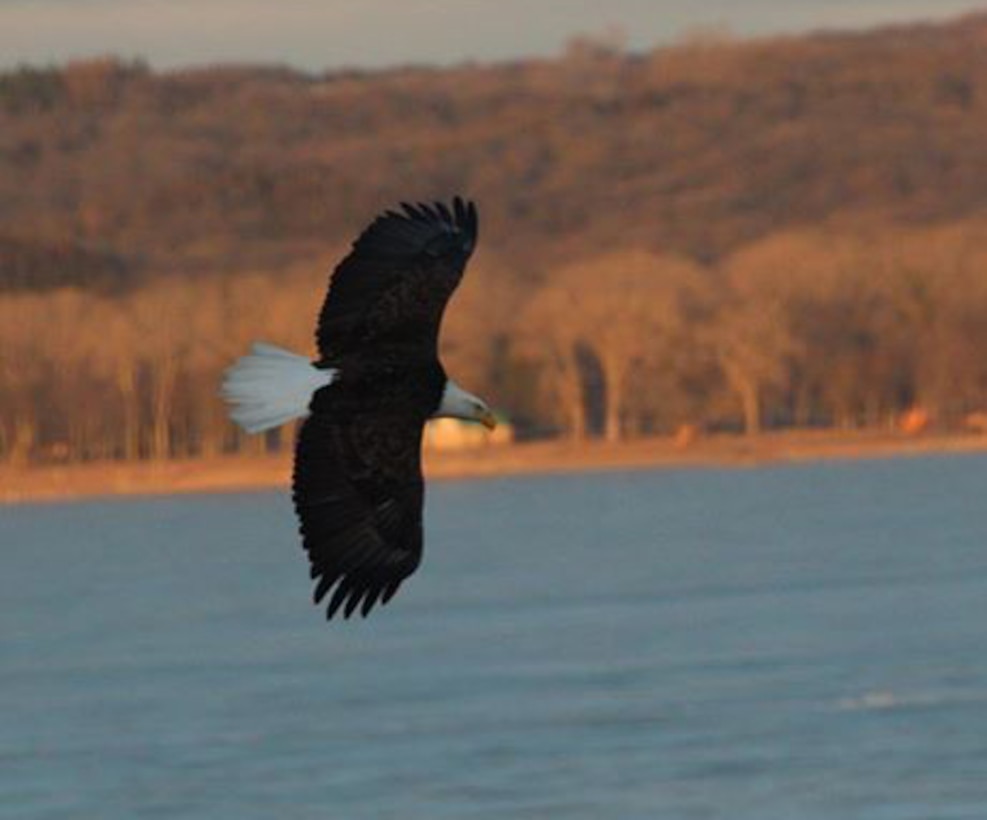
point(830, 187)
point(696, 149)
point(806, 328)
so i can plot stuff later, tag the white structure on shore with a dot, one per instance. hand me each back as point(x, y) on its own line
point(454, 434)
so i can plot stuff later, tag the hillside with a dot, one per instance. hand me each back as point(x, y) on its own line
point(111, 171)
point(764, 236)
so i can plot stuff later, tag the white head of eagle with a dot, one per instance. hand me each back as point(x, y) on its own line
point(357, 485)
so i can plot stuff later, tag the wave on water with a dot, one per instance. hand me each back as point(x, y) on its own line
point(884, 699)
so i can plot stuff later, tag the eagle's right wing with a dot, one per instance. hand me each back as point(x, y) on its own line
point(359, 493)
point(393, 286)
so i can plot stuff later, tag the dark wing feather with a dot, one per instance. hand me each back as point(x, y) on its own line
point(393, 286)
point(358, 492)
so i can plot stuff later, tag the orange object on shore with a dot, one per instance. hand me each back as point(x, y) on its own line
point(914, 421)
point(685, 436)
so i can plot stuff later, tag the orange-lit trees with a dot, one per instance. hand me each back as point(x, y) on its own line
point(477, 327)
point(626, 310)
point(21, 376)
point(938, 288)
point(749, 335)
point(547, 333)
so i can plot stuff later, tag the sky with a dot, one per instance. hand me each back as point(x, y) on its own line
point(316, 35)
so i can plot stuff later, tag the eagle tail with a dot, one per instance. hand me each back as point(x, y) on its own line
point(271, 386)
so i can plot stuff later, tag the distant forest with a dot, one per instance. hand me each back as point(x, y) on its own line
point(719, 234)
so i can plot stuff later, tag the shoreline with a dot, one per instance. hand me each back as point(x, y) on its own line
point(52, 483)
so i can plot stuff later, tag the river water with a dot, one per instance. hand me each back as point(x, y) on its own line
point(788, 642)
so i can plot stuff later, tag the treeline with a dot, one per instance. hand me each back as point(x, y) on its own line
point(697, 149)
point(57, 263)
point(812, 328)
point(803, 328)
point(135, 375)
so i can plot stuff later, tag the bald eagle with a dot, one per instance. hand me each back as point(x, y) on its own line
point(358, 489)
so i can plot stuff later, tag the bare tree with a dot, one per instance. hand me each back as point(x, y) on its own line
point(750, 335)
point(548, 334)
point(477, 328)
point(21, 375)
point(626, 309)
point(940, 293)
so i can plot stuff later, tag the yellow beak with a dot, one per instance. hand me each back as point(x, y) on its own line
point(488, 420)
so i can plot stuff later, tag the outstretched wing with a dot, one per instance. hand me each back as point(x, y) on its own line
point(358, 492)
point(393, 286)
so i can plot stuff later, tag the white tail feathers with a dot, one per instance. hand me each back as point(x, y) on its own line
point(271, 386)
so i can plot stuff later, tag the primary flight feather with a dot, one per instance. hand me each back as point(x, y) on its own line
point(357, 487)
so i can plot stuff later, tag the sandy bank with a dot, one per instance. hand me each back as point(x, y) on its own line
point(250, 473)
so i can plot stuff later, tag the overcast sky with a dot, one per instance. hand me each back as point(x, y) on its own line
point(318, 34)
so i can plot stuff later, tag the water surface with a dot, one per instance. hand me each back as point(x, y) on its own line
point(786, 642)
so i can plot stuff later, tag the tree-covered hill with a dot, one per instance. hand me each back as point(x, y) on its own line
point(110, 170)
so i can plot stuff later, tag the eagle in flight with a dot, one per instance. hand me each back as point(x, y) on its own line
point(357, 485)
